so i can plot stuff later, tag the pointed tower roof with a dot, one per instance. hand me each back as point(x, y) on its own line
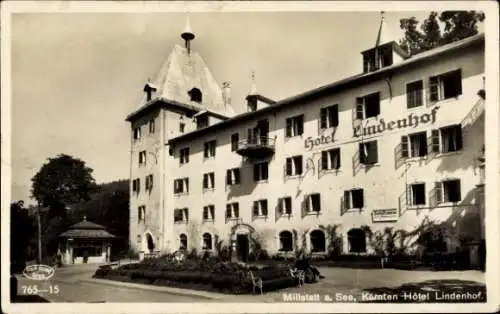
point(182, 71)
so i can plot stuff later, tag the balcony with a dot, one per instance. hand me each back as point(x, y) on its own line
point(256, 147)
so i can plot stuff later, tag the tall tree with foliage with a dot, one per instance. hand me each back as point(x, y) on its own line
point(457, 25)
point(62, 181)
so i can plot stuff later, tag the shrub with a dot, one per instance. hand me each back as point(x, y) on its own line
point(102, 271)
point(193, 254)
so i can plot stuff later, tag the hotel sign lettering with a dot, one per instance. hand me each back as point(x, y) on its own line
point(380, 126)
point(311, 142)
point(411, 121)
point(383, 215)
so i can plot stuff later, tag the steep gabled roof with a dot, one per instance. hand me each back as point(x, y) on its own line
point(181, 72)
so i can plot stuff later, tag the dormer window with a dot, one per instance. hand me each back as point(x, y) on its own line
point(195, 95)
point(201, 122)
point(377, 58)
point(251, 103)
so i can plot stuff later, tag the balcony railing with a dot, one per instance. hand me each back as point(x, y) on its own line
point(256, 147)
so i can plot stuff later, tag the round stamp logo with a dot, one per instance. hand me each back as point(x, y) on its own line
point(38, 272)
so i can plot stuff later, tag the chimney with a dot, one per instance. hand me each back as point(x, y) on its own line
point(226, 93)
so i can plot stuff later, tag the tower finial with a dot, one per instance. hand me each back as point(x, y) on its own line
point(253, 89)
point(381, 31)
point(187, 34)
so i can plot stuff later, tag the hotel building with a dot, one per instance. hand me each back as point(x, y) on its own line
point(394, 146)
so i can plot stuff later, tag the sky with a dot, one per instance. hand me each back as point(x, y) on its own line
point(76, 76)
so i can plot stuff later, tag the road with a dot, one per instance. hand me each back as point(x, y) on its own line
point(68, 286)
point(74, 284)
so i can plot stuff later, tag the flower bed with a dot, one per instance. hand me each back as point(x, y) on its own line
point(208, 274)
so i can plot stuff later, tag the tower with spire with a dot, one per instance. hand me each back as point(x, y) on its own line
point(255, 101)
point(386, 51)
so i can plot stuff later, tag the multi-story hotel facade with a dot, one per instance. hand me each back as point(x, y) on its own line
point(396, 146)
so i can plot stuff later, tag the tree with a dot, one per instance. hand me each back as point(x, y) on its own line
point(457, 25)
point(21, 232)
point(108, 206)
point(61, 181)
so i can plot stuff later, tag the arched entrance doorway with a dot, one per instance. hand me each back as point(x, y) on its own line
point(318, 241)
point(241, 241)
point(357, 240)
point(150, 244)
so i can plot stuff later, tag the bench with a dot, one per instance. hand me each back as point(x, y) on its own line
point(298, 274)
point(258, 282)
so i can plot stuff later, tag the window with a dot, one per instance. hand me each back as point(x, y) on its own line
point(368, 106)
point(294, 166)
point(445, 86)
point(183, 242)
point(233, 176)
point(368, 153)
point(295, 126)
point(260, 208)
point(416, 194)
point(149, 182)
point(286, 241)
point(285, 206)
point(313, 203)
point(357, 240)
point(201, 122)
point(209, 181)
point(139, 239)
point(232, 211)
point(377, 58)
point(182, 127)
point(330, 159)
point(181, 186)
point(137, 133)
point(184, 155)
point(414, 92)
point(209, 213)
point(318, 241)
point(207, 241)
point(448, 191)
point(142, 157)
point(151, 126)
point(353, 199)
point(261, 171)
point(446, 140)
point(329, 117)
point(136, 185)
point(181, 215)
point(209, 150)
point(234, 141)
point(251, 104)
point(417, 145)
point(141, 213)
point(195, 95)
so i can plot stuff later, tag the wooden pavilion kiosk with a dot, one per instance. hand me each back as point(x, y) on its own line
point(85, 242)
